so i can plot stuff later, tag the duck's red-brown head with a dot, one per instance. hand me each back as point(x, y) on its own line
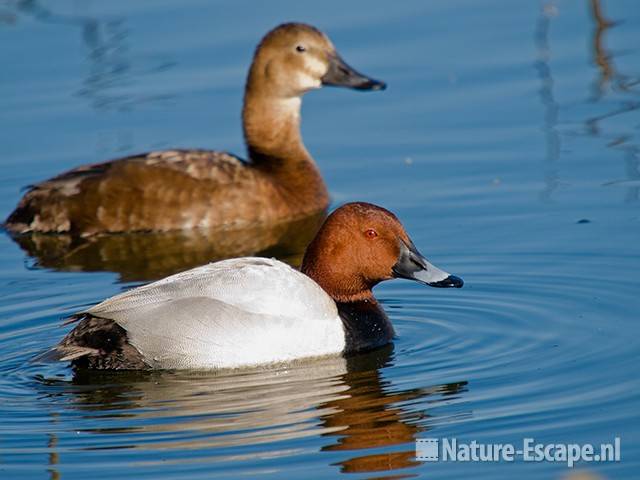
point(360, 245)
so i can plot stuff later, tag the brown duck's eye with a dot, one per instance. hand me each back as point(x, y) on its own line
point(301, 48)
point(371, 233)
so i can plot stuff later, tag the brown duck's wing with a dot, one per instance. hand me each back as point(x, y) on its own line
point(157, 191)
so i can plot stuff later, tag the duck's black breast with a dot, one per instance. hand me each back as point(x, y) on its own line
point(366, 326)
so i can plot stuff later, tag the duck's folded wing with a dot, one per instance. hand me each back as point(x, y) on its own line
point(233, 313)
point(201, 332)
point(256, 285)
point(156, 191)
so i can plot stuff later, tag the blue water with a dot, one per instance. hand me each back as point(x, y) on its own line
point(507, 142)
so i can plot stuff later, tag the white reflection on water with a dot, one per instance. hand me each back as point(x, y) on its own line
point(347, 403)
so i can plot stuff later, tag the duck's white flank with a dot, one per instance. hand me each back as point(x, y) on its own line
point(228, 314)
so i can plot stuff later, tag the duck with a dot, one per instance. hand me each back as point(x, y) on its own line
point(181, 189)
point(251, 311)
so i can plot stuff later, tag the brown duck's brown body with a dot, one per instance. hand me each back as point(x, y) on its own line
point(183, 189)
point(169, 190)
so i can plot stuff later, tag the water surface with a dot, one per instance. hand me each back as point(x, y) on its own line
point(508, 144)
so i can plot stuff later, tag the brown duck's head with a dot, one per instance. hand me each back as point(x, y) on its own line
point(294, 58)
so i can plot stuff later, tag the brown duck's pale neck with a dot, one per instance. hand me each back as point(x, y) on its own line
point(272, 134)
point(272, 128)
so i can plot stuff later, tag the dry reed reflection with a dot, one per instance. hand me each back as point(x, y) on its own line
point(109, 58)
point(552, 136)
point(610, 77)
point(608, 80)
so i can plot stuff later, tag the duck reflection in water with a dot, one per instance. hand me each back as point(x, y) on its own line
point(345, 402)
point(154, 255)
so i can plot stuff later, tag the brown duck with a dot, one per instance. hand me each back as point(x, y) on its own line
point(182, 189)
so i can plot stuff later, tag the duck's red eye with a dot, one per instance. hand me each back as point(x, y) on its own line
point(371, 233)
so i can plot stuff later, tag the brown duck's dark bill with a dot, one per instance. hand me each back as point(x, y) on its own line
point(342, 75)
point(413, 266)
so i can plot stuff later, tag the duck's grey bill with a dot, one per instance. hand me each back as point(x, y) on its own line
point(342, 75)
point(413, 266)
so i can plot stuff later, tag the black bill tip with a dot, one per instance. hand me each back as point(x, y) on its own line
point(450, 282)
point(372, 84)
point(340, 74)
